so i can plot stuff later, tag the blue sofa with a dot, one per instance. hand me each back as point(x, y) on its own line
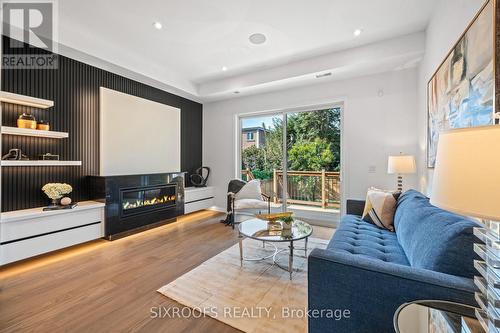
point(370, 271)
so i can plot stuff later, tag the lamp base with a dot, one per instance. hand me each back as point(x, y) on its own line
point(400, 183)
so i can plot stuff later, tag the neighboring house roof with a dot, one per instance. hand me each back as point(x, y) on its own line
point(253, 129)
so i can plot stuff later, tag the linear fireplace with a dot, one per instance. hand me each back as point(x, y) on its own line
point(137, 202)
point(144, 199)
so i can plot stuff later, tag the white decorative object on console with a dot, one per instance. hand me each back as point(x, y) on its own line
point(30, 232)
point(198, 198)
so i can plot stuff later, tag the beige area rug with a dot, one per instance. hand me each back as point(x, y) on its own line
point(257, 297)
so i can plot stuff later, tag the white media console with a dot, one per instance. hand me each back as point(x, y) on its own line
point(30, 232)
point(198, 198)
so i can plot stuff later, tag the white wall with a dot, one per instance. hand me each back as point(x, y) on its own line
point(449, 20)
point(374, 127)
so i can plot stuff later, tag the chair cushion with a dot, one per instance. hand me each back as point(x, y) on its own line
point(249, 204)
point(250, 190)
point(433, 238)
point(358, 237)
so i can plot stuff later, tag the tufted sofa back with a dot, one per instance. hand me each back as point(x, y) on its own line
point(433, 238)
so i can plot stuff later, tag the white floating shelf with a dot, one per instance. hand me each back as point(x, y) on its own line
point(40, 163)
point(12, 98)
point(32, 132)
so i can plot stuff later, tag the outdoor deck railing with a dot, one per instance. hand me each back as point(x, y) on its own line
point(312, 188)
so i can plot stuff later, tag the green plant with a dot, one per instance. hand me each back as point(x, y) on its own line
point(287, 219)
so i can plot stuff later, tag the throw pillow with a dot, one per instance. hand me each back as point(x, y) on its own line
point(380, 207)
point(250, 190)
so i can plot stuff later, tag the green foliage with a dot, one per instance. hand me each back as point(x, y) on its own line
point(287, 219)
point(310, 155)
point(309, 126)
point(263, 174)
point(253, 158)
point(313, 144)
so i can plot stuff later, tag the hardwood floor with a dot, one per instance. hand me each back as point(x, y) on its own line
point(106, 286)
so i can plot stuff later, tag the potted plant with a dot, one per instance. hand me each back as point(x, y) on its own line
point(286, 222)
point(56, 191)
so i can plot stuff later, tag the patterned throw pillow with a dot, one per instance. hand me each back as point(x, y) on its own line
point(380, 207)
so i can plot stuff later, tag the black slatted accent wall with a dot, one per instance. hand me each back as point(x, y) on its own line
point(74, 88)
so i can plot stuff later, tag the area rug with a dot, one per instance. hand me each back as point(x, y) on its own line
point(258, 297)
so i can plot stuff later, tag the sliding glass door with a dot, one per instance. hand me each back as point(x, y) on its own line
point(297, 157)
point(261, 153)
point(313, 163)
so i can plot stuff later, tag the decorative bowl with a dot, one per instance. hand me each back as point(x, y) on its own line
point(273, 217)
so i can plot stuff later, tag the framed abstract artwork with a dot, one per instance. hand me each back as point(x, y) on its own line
point(461, 93)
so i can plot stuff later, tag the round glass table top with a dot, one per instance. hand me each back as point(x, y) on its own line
point(261, 230)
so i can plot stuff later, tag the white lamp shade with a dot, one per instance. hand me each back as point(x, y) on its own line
point(401, 164)
point(467, 173)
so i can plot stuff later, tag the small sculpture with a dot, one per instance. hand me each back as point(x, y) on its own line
point(14, 154)
point(197, 179)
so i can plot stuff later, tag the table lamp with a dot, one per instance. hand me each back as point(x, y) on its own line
point(401, 164)
point(467, 181)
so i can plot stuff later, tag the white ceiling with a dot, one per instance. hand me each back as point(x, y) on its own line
point(199, 37)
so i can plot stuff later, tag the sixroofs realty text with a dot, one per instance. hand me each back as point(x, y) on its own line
point(247, 312)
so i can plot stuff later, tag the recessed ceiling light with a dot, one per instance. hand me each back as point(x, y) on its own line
point(357, 32)
point(257, 38)
point(224, 68)
point(157, 25)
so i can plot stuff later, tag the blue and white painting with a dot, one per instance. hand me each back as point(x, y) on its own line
point(460, 94)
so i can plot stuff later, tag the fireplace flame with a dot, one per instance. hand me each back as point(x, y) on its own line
point(154, 201)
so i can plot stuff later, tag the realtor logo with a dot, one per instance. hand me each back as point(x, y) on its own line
point(29, 25)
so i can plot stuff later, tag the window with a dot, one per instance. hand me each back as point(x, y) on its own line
point(250, 136)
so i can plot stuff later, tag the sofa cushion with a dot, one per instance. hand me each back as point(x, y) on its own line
point(380, 207)
point(433, 238)
point(358, 237)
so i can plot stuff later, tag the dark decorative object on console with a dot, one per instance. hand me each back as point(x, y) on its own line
point(138, 202)
point(197, 178)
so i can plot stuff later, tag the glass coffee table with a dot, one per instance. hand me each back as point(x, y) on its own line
point(259, 230)
point(436, 316)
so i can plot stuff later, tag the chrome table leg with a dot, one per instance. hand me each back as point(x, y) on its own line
point(241, 249)
point(290, 260)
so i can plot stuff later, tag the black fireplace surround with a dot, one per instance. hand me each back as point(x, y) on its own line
point(138, 202)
